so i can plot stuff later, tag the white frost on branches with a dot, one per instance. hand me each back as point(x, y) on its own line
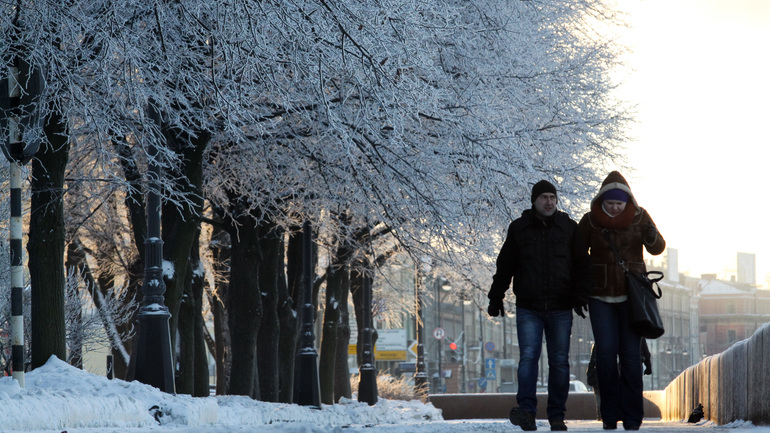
point(433, 118)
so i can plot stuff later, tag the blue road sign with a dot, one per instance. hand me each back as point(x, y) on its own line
point(482, 382)
point(490, 363)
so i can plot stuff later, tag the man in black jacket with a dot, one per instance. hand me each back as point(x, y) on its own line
point(550, 268)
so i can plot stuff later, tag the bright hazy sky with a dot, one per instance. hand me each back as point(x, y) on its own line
point(701, 79)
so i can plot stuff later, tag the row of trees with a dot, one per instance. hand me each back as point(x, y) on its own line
point(390, 125)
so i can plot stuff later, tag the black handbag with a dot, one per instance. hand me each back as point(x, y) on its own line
point(644, 316)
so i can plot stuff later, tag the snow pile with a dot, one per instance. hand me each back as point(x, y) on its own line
point(58, 396)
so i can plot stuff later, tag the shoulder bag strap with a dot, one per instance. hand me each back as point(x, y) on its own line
point(622, 263)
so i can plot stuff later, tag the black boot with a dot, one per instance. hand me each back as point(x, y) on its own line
point(523, 419)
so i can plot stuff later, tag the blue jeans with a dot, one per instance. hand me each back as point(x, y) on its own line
point(620, 383)
point(557, 326)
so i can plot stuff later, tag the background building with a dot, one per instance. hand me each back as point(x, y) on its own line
point(468, 351)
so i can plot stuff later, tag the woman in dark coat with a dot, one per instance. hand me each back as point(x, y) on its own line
point(616, 215)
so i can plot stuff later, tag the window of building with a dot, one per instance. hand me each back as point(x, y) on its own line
point(731, 336)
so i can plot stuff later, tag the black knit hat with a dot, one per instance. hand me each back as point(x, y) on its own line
point(542, 187)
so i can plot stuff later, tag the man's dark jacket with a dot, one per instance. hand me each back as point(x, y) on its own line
point(548, 262)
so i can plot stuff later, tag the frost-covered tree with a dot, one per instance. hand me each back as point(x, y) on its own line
point(429, 119)
point(94, 319)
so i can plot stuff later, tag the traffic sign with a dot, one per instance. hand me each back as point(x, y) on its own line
point(490, 346)
point(438, 333)
point(492, 374)
point(490, 363)
point(483, 382)
point(412, 348)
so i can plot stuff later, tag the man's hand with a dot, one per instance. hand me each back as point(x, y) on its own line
point(496, 307)
point(581, 310)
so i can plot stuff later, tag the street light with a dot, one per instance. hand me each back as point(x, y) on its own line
point(420, 377)
point(483, 374)
point(154, 364)
point(367, 386)
point(446, 287)
point(307, 384)
point(465, 301)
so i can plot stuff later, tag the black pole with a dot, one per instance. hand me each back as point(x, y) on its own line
point(367, 386)
point(463, 388)
point(505, 338)
point(110, 367)
point(481, 346)
point(307, 384)
point(439, 342)
point(154, 364)
point(420, 377)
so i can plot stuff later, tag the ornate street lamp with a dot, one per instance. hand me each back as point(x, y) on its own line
point(446, 287)
point(367, 386)
point(154, 364)
point(466, 300)
point(307, 384)
point(420, 377)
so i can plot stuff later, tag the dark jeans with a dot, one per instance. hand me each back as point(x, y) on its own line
point(622, 398)
point(557, 326)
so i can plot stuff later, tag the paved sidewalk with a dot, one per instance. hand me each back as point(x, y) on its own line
point(500, 426)
point(450, 426)
point(647, 425)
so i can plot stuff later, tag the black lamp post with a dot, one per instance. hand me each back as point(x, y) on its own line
point(446, 287)
point(21, 118)
point(505, 337)
point(465, 301)
point(367, 386)
point(420, 377)
point(154, 365)
point(307, 384)
point(483, 374)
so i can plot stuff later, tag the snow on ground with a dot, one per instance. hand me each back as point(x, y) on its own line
point(59, 398)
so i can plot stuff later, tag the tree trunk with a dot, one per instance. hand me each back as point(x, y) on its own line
point(271, 271)
point(356, 287)
point(244, 306)
point(357, 296)
point(337, 289)
point(137, 217)
point(181, 226)
point(357, 283)
point(46, 245)
point(185, 375)
point(342, 370)
point(221, 256)
point(193, 377)
point(201, 385)
point(288, 302)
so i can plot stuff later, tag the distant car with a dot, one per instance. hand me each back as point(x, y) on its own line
point(577, 386)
